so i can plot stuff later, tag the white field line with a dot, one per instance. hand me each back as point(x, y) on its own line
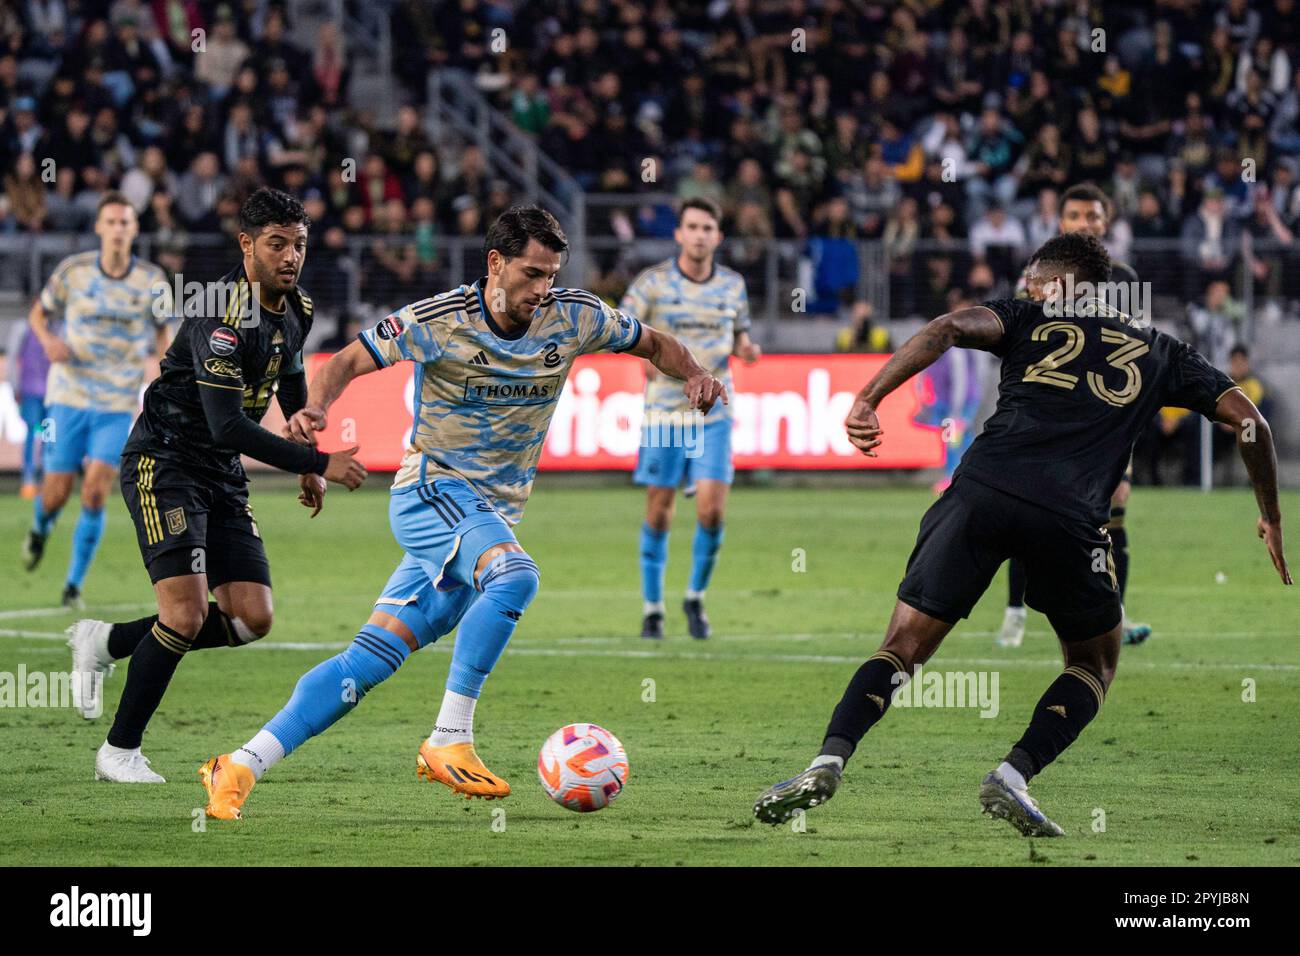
point(660, 654)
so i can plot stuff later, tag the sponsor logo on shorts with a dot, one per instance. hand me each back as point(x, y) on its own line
point(223, 341)
point(390, 328)
point(503, 390)
point(175, 520)
point(223, 368)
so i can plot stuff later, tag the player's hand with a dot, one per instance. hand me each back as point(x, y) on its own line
point(312, 492)
point(749, 353)
point(703, 390)
point(345, 469)
point(1271, 532)
point(863, 427)
point(303, 425)
point(56, 350)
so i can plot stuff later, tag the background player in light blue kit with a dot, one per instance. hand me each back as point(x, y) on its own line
point(704, 305)
point(115, 309)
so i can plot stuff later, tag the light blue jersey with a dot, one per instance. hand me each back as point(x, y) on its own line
point(484, 399)
point(705, 316)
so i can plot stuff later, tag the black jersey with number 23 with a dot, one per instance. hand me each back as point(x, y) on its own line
point(1075, 393)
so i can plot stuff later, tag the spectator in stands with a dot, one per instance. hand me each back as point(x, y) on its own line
point(1045, 223)
point(62, 213)
point(330, 72)
point(405, 143)
point(376, 186)
point(1210, 240)
point(1214, 325)
point(1150, 221)
point(992, 150)
point(198, 190)
point(702, 183)
point(225, 53)
point(1270, 237)
point(999, 238)
point(873, 194)
point(25, 196)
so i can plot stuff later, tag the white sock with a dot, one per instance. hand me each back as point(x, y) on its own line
point(1012, 776)
point(653, 607)
point(1015, 611)
point(101, 647)
point(260, 754)
point(455, 723)
point(111, 751)
point(827, 760)
point(694, 595)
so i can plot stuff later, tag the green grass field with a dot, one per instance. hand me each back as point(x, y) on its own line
point(1185, 772)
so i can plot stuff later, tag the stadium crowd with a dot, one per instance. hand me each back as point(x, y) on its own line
point(929, 125)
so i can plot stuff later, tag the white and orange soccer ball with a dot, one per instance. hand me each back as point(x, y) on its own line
point(582, 767)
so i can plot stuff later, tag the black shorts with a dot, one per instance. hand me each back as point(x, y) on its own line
point(969, 532)
point(189, 524)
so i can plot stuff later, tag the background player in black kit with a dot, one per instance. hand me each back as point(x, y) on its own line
point(185, 485)
point(1078, 384)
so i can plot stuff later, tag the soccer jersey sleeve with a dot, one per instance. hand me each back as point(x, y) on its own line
point(414, 333)
point(1015, 316)
point(1194, 383)
point(741, 321)
point(637, 300)
point(54, 296)
point(610, 330)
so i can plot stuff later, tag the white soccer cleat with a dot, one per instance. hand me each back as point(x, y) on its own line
point(1004, 800)
point(123, 766)
point(1013, 628)
point(89, 666)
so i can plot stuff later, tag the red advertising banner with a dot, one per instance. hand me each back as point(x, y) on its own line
point(788, 412)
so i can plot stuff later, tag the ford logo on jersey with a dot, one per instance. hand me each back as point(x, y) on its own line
point(505, 390)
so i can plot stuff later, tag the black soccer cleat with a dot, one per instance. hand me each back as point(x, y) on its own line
point(811, 788)
point(695, 618)
point(652, 626)
point(33, 550)
point(72, 598)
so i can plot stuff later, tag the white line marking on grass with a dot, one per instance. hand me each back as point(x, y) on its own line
point(628, 653)
point(56, 611)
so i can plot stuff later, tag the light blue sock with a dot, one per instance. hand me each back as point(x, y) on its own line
point(654, 558)
point(43, 521)
point(333, 687)
point(704, 554)
point(85, 542)
point(509, 584)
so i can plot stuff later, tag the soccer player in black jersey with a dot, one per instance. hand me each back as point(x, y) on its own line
point(185, 485)
point(1078, 384)
point(1084, 208)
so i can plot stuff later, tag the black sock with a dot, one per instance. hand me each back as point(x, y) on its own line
point(1018, 581)
point(152, 666)
point(1119, 548)
point(1069, 704)
point(123, 639)
point(864, 702)
point(217, 631)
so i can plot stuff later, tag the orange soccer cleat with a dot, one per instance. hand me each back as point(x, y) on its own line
point(457, 766)
point(228, 785)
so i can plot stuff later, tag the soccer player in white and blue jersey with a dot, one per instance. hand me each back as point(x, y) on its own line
point(115, 311)
point(705, 305)
point(491, 359)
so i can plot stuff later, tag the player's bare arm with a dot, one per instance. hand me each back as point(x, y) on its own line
point(1255, 444)
point(329, 383)
point(56, 350)
point(745, 349)
point(977, 327)
point(675, 360)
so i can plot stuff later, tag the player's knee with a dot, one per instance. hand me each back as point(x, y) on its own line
point(709, 518)
point(93, 498)
point(186, 618)
point(512, 579)
point(256, 624)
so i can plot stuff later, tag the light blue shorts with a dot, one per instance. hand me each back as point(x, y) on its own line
point(444, 527)
point(75, 434)
point(664, 460)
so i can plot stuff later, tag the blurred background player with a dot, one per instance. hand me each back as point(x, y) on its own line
point(115, 311)
point(704, 304)
point(184, 481)
point(28, 369)
point(493, 357)
point(1084, 208)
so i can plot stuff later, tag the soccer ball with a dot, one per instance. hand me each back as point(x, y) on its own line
point(582, 767)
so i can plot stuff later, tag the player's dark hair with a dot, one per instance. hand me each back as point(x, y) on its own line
point(1088, 192)
point(1239, 350)
point(518, 224)
point(704, 205)
point(1077, 254)
point(270, 207)
point(112, 198)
